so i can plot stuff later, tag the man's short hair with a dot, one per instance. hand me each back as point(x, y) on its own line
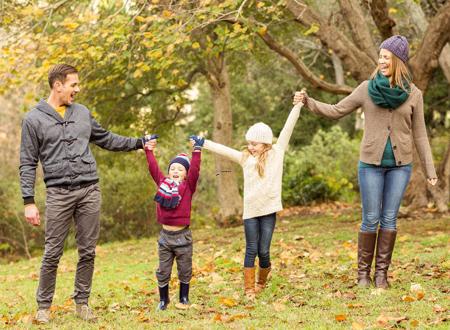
point(60, 72)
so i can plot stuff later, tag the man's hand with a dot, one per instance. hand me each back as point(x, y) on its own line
point(32, 214)
point(151, 141)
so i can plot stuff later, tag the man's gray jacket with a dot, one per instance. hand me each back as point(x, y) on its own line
point(62, 147)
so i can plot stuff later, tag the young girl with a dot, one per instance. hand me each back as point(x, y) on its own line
point(393, 112)
point(174, 197)
point(262, 164)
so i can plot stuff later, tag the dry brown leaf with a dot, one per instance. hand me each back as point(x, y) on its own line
point(278, 307)
point(181, 306)
point(438, 309)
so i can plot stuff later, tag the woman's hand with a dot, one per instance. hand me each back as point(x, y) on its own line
point(300, 97)
point(432, 181)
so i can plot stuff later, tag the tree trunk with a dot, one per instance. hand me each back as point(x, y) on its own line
point(226, 171)
point(419, 192)
point(420, 23)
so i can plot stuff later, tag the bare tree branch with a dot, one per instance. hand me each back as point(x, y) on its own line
point(302, 69)
point(436, 36)
point(380, 15)
point(354, 16)
point(359, 63)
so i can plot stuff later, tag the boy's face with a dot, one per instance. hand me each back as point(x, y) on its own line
point(177, 172)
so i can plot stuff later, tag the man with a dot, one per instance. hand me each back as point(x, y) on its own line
point(57, 133)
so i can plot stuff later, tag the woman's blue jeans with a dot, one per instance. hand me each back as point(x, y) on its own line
point(382, 190)
point(258, 236)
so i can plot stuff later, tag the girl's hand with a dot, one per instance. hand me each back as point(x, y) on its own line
point(300, 97)
point(432, 181)
point(151, 142)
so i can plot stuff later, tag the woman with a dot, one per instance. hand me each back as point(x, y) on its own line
point(393, 112)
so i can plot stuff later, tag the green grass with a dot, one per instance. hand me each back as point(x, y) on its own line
point(312, 283)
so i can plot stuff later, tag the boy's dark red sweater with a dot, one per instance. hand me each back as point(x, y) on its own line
point(181, 215)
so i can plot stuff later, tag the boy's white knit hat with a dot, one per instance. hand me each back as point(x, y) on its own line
point(260, 133)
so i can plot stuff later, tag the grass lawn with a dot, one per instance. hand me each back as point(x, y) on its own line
point(312, 284)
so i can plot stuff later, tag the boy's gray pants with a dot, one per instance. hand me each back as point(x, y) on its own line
point(174, 245)
point(63, 205)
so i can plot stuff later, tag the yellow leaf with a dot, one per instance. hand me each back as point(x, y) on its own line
point(70, 25)
point(408, 299)
point(262, 30)
point(392, 11)
point(313, 29)
point(195, 45)
point(229, 302)
point(414, 323)
point(148, 34)
point(137, 74)
point(140, 19)
point(260, 4)
point(166, 13)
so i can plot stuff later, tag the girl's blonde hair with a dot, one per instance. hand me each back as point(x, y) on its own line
point(262, 158)
point(400, 74)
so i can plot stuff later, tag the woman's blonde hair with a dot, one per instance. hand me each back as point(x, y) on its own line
point(400, 76)
point(262, 158)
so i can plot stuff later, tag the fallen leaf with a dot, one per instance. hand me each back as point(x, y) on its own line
point(408, 299)
point(357, 326)
point(229, 302)
point(415, 287)
point(181, 306)
point(278, 307)
point(420, 295)
point(438, 309)
point(340, 317)
point(414, 323)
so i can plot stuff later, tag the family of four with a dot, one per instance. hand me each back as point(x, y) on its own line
point(57, 133)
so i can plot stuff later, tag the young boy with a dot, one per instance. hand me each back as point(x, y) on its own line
point(174, 198)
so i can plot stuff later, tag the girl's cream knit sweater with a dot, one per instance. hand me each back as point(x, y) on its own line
point(262, 195)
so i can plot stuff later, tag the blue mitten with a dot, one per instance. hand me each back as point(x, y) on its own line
point(199, 141)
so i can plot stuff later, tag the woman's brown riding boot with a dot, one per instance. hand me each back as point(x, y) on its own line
point(366, 250)
point(385, 247)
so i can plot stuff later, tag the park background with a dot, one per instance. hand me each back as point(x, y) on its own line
point(214, 68)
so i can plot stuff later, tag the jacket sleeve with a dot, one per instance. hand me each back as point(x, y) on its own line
point(344, 107)
point(111, 141)
point(230, 153)
point(286, 132)
point(153, 167)
point(420, 136)
point(194, 170)
point(29, 157)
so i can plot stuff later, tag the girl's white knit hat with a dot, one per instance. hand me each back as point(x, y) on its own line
point(260, 133)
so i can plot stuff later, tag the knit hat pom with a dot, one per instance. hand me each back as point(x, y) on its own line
point(397, 45)
point(260, 133)
point(182, 159)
